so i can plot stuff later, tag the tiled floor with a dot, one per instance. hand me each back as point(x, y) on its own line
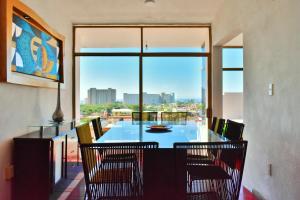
point(74, 182)
point(73, 188)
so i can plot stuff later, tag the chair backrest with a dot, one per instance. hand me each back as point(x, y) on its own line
point(97, 127)
point(213, 124)
point(101, 160)
point(230, 158)
point(146, 116)
point(174, 117)
point(220, 123)
point(233, 130)
point(84, 134)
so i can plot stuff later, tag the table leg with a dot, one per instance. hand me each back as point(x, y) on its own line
point(163, 175)
point(66, 156)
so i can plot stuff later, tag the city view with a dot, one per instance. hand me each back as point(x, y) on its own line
point(109, 86)
point(104, 103)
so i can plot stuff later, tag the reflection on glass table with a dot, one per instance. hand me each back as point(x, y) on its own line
point(125, 131)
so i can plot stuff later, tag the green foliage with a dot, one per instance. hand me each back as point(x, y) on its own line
point(88, 109)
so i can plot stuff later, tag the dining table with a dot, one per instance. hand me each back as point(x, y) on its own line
point(137, 131)
point(164, 173)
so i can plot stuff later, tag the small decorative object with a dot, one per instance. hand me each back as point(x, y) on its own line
point(159, 129)
point(58, 115)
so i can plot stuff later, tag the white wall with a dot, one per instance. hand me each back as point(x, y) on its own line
point(22, 106)
point(271, 55)
point(233, 105)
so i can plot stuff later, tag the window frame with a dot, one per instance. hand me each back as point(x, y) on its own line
point(231, 69)
point(141, 55)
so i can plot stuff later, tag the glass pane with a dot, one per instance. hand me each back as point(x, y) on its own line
point(104, 83)
point(176, 40)
point(233, 95)
point(232, 81)
point(108, 40)
point(232, 57)
point(175, 85)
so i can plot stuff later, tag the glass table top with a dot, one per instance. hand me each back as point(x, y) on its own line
point(51, 123)
point(127, 131)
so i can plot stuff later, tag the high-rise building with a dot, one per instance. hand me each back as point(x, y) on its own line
point(149, 98)
point(167, 98)
point(130, 98)
point(92, 96)
point(101, 96)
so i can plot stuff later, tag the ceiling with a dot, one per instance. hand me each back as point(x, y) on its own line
point(132, 11)
point(236, 41)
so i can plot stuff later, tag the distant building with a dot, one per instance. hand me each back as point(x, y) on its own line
point(101, 96)
point(168, 98)
point(149, 98)
point(92, 96)
point(131, 98)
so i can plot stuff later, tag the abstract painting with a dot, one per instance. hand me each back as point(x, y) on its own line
point(34, 52)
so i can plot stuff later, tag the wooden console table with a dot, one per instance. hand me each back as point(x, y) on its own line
point(40, 160)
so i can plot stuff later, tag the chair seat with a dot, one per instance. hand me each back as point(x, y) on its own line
point(204, 172)
point(115, 175)
point(126, 157)
point(198, 159)
point(203, 196)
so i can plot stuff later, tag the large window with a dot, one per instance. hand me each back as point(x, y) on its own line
point(128, 69)
point(104, 81)
point(174, 84)
point(232, 59)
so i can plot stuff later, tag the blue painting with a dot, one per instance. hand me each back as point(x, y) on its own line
point(34, 52)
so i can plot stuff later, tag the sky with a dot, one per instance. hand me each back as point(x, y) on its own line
point(180, 75)
point(232, 80)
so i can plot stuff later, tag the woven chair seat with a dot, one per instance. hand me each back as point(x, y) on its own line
point(115, 175)
point(126, 157)
point(198, 172)
point(203, 196)
point(198, 159)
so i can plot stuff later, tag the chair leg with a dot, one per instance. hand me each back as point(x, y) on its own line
point(77, 156)
point(87, 194)
point(190, 185)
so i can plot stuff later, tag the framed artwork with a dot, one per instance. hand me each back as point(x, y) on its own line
point(32, 53)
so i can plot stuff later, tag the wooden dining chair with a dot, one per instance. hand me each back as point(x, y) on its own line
point(220, 123)
point(116, 178)
point(97, 127)
point(174, 117)
point(146, 116)
point(233, 130)
point(218, 126)
point(99, 131)
point(213, 124)
point(220, 179)
point(84, 134)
